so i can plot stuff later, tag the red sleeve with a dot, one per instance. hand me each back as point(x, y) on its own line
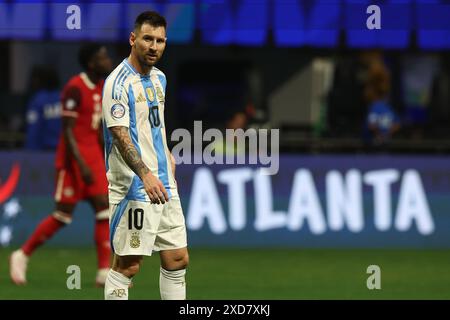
point(71, 100)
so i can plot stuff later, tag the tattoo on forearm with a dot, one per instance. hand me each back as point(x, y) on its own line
point(122, 140)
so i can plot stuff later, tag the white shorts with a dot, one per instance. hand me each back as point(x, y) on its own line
point(139, 228)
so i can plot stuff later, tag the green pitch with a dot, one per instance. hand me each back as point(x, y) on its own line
point(251, 274)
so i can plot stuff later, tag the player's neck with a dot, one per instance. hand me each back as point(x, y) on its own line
point(143, 70)
point(93, 77)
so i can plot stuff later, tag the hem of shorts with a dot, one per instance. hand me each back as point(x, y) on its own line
point(172, 248)
point(153, 250)
point(140, 254)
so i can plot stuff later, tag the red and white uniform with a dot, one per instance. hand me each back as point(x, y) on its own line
point(81, 99)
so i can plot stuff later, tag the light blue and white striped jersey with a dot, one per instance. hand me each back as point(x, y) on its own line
point(136, 101)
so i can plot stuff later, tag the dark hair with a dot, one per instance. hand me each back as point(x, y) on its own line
point(87, 52)
point(153, 18)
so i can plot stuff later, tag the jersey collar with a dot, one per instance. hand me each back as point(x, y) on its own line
point(87, 81)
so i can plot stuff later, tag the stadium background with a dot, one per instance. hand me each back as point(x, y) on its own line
point(338, 203)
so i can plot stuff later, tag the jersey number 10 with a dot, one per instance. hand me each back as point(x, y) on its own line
point(154, 117)
point(135, 218)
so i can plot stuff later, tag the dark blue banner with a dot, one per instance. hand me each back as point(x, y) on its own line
point(293, 23)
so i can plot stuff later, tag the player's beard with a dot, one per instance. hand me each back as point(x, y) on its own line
point(146, 63)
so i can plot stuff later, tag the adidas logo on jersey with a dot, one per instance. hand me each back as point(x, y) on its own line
point(140, 98)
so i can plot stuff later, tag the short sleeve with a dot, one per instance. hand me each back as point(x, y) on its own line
point(71, 100)
point(115, 107)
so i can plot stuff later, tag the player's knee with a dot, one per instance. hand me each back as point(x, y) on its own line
point(128, 270)
point(184, 261)
point(63, 217)
point(177, 262)
point(128, 267)
point(132, 269)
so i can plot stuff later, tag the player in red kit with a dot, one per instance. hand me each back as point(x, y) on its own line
point(80, 165)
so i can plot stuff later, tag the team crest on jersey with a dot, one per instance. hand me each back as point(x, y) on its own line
point(150, 94)
point(135, 241)
point(159, 94)
point(117, 111)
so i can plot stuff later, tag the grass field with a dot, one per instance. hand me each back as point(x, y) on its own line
point(251, 274)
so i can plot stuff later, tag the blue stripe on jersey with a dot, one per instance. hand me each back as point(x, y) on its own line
point(162, 160)
point(163, 81)
point(135, 192)
point(157, 140)
point(115, 219)
point(129, 66)
point(122, 70)
point(116, 79)
point(120, 83)
point(108, 144)
point(133, 124)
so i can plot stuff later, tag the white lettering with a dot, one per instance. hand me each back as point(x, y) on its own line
point(205, 203)
point(413, 205)
point(304, 204)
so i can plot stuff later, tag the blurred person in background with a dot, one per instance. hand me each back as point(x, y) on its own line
point(382, 122)
point(44, 110)
point(81, 173)
point(235, 119)
point(418, 74)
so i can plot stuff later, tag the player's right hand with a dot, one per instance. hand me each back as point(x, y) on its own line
point(155, 189)
point(86, 174)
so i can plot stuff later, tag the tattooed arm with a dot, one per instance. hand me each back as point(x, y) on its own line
point(153, 186)
point(122, 141)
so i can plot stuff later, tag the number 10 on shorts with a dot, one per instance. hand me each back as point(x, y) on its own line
point(135, 218)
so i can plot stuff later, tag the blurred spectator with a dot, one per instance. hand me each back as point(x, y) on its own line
point(237, 119)
point(43, 110)
point(418, 74)
point(381, 122)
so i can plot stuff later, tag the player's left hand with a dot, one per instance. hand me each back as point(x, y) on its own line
point(155, 189)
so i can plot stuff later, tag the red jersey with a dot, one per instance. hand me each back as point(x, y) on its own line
point(81, 99)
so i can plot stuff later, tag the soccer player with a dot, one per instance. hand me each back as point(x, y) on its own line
point(79, 163)
point(145, 208)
